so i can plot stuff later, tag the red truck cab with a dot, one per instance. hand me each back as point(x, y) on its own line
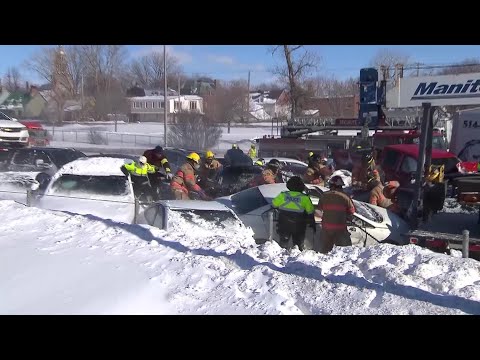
point(38, 136)
point(399, 162)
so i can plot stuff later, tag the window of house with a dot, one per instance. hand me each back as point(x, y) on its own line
point(153, 104)
point(175, 105)
point(162, 105)
point(409, 165)
point(193, 105)
point(146, 105)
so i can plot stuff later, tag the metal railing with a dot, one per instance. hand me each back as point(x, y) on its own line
point(98, 137)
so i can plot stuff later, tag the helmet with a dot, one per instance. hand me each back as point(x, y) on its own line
point(234, 146)
point(260, 162)
point(209, 155)
point(142, 160)
point(158, 149)
point(194, 156)
point(336, 181)
point(252, 146)
point(274, 164)
point(295, 183)
point(310, 154)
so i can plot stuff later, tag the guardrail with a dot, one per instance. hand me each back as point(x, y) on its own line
point(422, 238)
point(100, 137)
point(30, 197)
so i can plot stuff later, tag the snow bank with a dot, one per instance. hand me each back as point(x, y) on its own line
point(59, 264)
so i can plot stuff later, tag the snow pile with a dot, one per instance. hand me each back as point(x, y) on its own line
point(51, 262)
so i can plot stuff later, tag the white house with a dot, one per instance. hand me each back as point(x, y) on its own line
point(151, 108)
point(274, 102)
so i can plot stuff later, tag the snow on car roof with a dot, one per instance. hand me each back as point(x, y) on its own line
point(97, 166)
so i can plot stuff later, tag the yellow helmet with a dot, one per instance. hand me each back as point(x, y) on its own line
point(310, 154)
point(194, 156)
point(209, 155)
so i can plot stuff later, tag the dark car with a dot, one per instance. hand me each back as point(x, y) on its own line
point(45, 160)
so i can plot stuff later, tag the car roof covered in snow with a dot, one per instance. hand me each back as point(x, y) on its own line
point(94, 166)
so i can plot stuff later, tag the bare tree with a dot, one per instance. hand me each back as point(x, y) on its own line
point(336, 91)
point(389, 58)
point(227, 103)
point(466, 66)
point(148, 70)
point(194, 131)
point(12, 79)
point(298, 64)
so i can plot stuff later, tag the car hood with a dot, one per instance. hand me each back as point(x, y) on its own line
point(194, 205)
point(11, 124)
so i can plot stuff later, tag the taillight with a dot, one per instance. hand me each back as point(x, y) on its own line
point(474, 247)
point(435, 243)
point(413, 240)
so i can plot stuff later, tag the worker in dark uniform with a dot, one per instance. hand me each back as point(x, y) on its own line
point(295, 213)
point(337, 209)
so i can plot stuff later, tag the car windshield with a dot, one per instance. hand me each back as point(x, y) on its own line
point(63, 156)
point(367, 212)
point(218, 218)
point(3, 116)
point(248, 200)
point(100, 185)
point(37, 133)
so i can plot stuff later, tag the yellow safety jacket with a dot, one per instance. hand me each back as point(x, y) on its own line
point(134, 169)
point(293, 201)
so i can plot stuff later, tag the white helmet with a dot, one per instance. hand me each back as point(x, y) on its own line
point(142, 160)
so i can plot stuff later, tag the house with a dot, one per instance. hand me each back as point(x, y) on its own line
point(201, 86)
point(34, 103)
point(151, 108)
point(341, 106)
point(274, 102)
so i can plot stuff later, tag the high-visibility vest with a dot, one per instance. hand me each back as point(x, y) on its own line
point(134, 169)
point(293, 201)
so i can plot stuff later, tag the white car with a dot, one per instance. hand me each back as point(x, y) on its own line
point(159, 214)
point(371, 224)
point(94, 186)
point(12, 132)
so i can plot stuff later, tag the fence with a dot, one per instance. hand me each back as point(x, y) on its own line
point(104, 137)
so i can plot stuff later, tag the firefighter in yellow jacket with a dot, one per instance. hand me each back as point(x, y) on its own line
point(210, 167)
point(139, 171)
point(185, 181)
point(376, 191)
point(252, 152)
point(295, 213)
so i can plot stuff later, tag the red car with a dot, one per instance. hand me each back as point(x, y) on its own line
point(399, 162)
point(38, 136)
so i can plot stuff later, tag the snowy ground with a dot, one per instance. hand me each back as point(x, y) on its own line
point(140, 136)
point(56, 263)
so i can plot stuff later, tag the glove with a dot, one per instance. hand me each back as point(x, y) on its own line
point(204, 196)
point(169, 176)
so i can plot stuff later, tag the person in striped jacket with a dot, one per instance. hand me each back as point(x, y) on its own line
point(336, 210)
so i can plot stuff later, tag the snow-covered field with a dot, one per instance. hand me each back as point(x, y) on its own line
point(149, 135)
point(56, 263)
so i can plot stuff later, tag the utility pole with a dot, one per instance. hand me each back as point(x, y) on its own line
point(248, 94)
point(83, 99)
point(418, 69)
point(179, 98)
point(165, 95)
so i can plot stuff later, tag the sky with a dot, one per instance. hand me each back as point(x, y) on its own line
point(227, 62)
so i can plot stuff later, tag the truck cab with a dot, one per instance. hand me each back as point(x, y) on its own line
point(38, 136)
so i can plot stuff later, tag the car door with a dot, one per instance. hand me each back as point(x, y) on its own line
point(408, 166)
point(22, 160)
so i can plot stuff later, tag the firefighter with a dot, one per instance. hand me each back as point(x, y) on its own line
point(337, 209)
point(157, 158)
point(268, 176)
point(210, 167)
point(376, 191)
point(184, 180)
point(362, 171)
point(139, 171)
point(390, 192)
point(295, 213)
point(236, 157)
point(317, 172)
point(252, 152)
